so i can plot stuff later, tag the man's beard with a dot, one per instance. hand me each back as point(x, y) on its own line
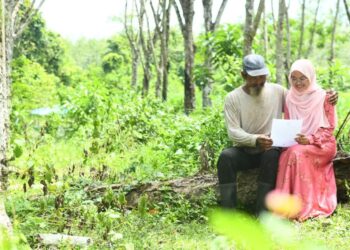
point(255, 91)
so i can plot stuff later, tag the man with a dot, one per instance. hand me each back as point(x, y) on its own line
point(249, 111)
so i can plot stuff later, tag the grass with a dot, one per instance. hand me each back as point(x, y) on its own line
point(172, 224)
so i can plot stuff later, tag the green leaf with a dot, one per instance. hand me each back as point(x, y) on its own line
point(17, 151)
point(245, 231)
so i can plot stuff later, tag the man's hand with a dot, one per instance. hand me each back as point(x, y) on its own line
point(264, 142)
point(302, 139)
point(333, 96)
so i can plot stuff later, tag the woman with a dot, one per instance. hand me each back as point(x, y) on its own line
point(306, 169)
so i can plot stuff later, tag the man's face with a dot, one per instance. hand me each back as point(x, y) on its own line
point(254, 84)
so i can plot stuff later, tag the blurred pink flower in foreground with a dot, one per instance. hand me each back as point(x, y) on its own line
point(283, 204)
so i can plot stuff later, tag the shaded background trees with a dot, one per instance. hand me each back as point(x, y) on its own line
point(268, 29)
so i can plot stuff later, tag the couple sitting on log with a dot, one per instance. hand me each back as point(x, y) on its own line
point(305, 169)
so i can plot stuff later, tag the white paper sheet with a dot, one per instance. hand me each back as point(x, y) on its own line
point(283, 132)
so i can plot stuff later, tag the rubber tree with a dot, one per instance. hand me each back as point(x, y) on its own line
point(12, 26)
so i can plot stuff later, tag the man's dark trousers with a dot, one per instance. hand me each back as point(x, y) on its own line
point(235, 159)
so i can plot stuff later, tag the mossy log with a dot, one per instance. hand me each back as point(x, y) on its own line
point(194, 186)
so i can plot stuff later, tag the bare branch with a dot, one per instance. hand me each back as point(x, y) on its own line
point(347, 9)
point(273, 16)
point(302, 28)
point(30, 13)
point(130, 34)
point(140, 14)
point(29, 10)
point(335, 21)
point(151, 40)
point(178, 14)
point(156, 18)
point(311, 41)
point(13, 17)
point(258, 16)
point(219, 15)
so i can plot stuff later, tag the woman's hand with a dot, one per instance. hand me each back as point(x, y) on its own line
point(333, 96)
point(302, 139)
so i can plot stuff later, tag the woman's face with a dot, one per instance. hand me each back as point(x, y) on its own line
point(299, 81)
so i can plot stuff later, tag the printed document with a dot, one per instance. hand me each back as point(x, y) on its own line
point(284, 132)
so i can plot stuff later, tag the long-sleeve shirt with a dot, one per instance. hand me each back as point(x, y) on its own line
point(249, 116)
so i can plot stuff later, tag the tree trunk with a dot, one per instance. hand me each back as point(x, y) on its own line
point(313, 29)
point(273, 16)
point(135, 64)
point(210, 26)
point(208, 68)
point(159, 64)
point(165, 47)
point(347, 9)
point(266, 39)
point(160, 71)
point(162, 28)
point(331, 56)
point(11, 29)
point(152, 54)
point(133, 42)
point(288, 52)
point(147, 44)
point(6, 56)
point(189, 63)
point(251, 24)
point(207, 86)
point(146, 79)
point(187, 32)
point(302, 25)
point(248, 39)
point(279, 43)
point(146, 56)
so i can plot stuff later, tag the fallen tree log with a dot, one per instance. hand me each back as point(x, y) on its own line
point(194, 186)
point(342, 174)
point(58, 239)
point(190, 187)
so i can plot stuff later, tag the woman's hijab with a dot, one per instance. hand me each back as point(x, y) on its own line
point(307, 105)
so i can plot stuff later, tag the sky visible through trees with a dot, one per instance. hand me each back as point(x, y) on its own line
point(102, 18)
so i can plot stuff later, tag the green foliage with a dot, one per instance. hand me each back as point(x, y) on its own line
point(226, 44)
point(119, 45)
point(41, 46)
point(334, 76)
point(32, 86)
point(10, 241)
point(246, 232)
point(111, 62)
point(268, 232)
point(86, 52)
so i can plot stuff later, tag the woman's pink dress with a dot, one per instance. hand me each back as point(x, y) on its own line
point(307, 170)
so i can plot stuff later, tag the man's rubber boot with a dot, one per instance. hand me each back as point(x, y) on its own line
point(263, 190)
point(228, 193)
